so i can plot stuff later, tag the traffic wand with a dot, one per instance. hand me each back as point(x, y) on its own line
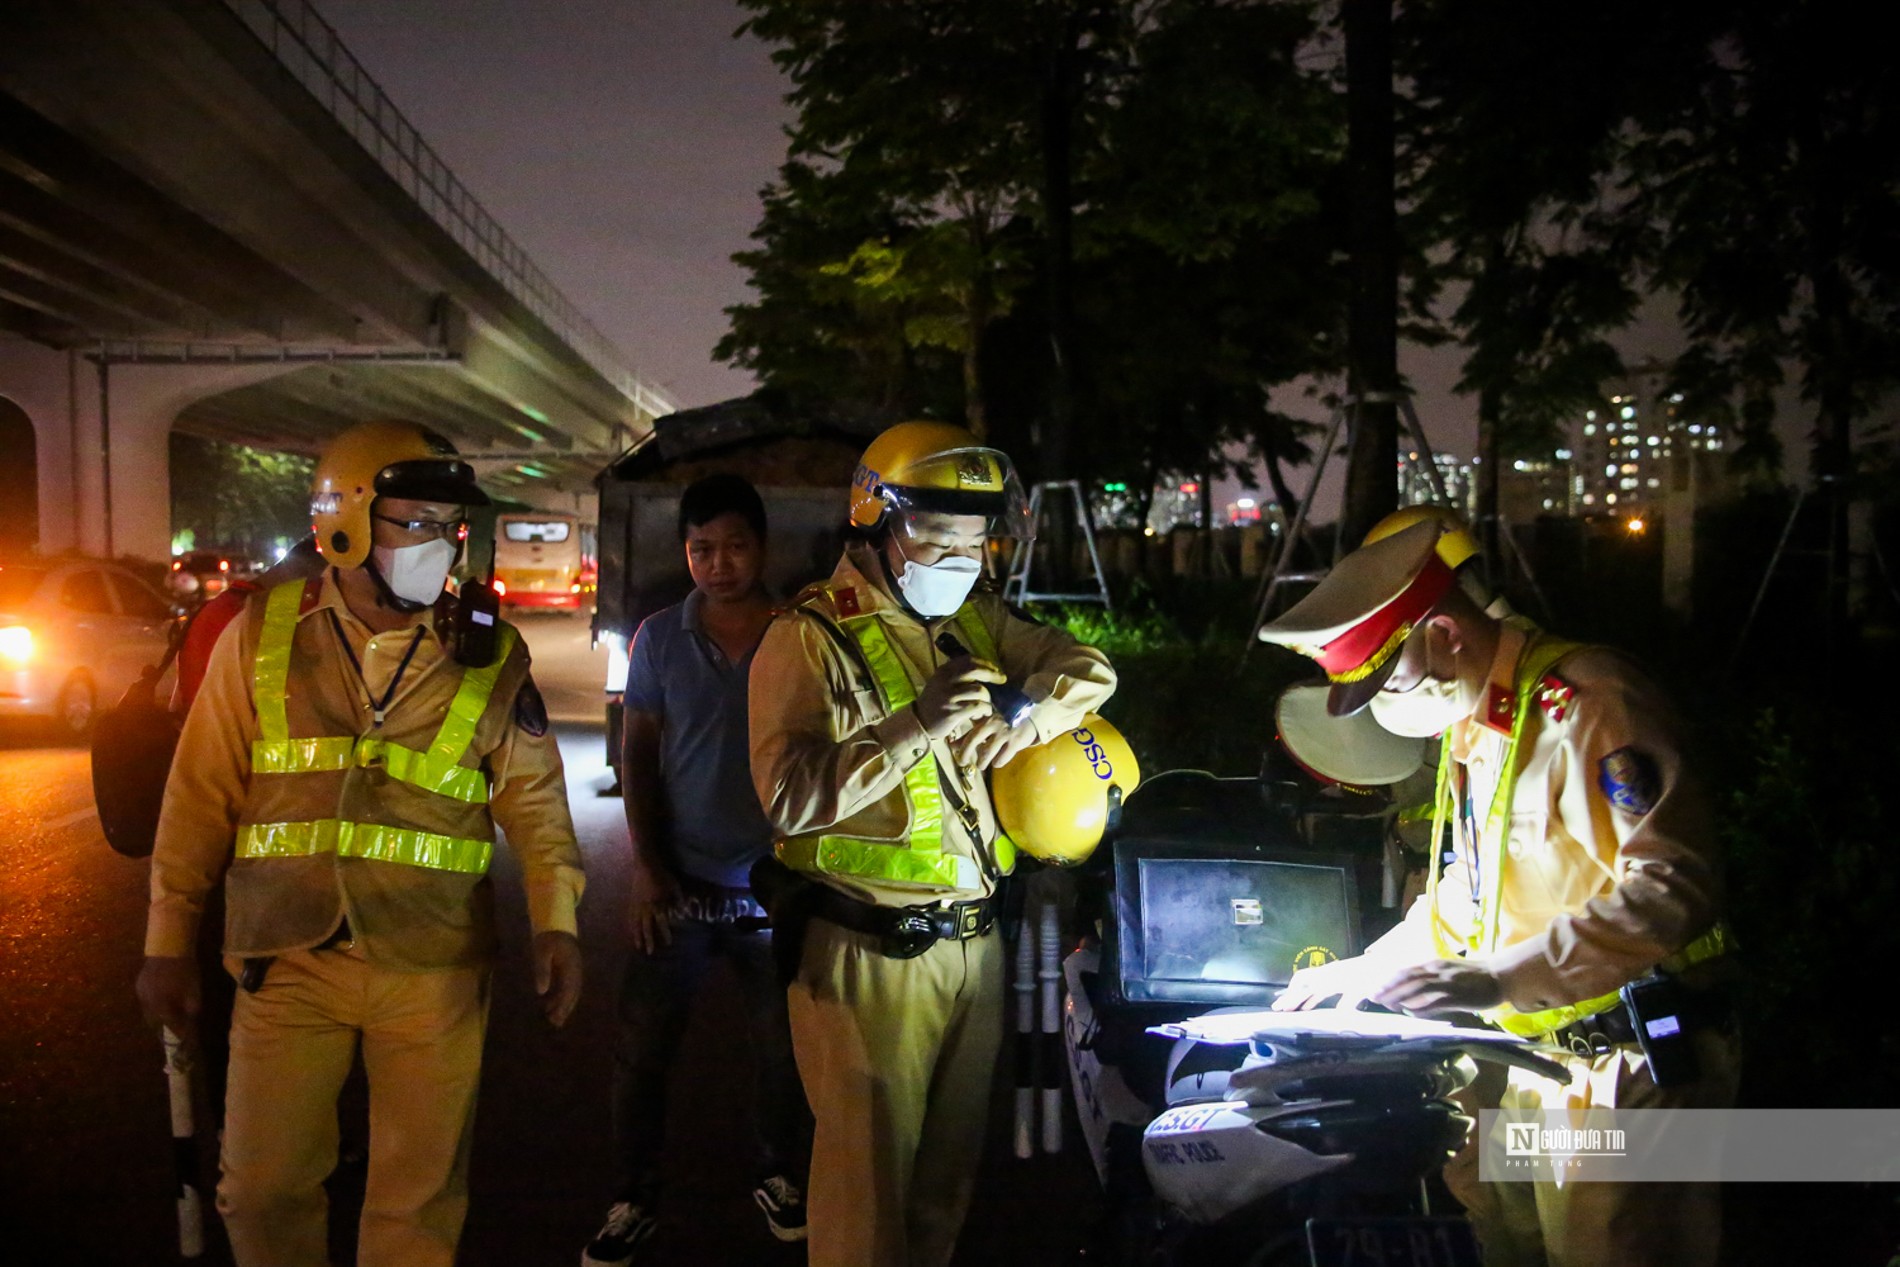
point(191, 1218)
point(1050, 974)
point(1025, 987)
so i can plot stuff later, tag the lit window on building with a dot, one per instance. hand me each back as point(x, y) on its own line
point(1591, 415)
point(1695, 429)
point(1629, 411)
point(1609, 499)
point(1547, 503)
point(1654, 441)
point(1654, 482)
point(1590, 428)
point(1609, 470)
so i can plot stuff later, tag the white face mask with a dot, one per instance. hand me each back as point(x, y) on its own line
point(1427, 709)
point(417, 573)
point(939, 589)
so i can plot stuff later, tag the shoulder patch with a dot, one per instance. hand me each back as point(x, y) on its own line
point(531, 711)
point(1630, 779)
point(1555, 696)
point(846, 600)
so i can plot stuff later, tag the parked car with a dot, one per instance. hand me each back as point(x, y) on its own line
point(74, 634)
point(204, 574)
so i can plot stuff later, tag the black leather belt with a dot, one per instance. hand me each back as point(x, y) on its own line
point(904, 932)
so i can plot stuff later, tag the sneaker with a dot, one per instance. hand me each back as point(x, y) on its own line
point(784, 1207)
point(627, 1225)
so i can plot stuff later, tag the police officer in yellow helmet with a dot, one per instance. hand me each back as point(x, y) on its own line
point(878, 701)
point(345, 768)
point(1582, 903)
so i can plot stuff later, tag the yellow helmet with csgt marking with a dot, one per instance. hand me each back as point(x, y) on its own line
point(381, 459)
point(1054, 800)
point(938, 467)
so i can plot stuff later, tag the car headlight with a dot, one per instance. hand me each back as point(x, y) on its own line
point(16, 644)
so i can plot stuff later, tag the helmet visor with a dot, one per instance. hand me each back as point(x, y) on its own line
point(447, 480)
point(964, 483)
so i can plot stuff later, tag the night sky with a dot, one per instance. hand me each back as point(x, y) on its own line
point(621, 142)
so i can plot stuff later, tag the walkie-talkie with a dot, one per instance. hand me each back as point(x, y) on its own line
point(477, 620)
point(1010, 703)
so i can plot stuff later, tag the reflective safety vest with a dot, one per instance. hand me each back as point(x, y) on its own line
point(916, 859)
point(1541, 654)
point(440, 803)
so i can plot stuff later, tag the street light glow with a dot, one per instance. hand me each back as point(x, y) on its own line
point(1635, 526)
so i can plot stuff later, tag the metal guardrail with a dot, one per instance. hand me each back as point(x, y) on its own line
point(310, 49)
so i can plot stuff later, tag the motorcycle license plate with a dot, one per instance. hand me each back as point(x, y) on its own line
point(1415, 1242)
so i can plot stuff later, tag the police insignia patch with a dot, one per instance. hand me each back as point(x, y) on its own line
point(531, 711)
point(1630, 779)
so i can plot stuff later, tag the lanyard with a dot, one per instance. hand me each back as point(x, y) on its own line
point(378, 709)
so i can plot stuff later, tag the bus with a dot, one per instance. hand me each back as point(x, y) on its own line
point(539, 561)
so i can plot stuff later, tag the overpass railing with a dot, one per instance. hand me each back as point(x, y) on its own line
point(310, 49)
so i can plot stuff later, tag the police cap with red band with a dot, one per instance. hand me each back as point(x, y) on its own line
point(1357, 618)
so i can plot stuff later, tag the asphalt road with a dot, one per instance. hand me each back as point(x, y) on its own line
point(85, 1160)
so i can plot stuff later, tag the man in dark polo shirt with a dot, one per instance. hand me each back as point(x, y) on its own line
point(696, 829)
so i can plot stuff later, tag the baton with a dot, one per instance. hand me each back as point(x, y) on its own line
point(191, 1217)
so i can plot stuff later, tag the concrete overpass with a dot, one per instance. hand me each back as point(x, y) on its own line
point(212, 219)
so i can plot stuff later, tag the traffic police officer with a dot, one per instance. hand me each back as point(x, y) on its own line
point(877, 702)
point(344, 768)
point(1584, 860)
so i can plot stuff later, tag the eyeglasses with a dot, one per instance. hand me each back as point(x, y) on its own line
point(444, 528)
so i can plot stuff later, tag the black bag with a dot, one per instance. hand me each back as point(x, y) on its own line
point(132, 747)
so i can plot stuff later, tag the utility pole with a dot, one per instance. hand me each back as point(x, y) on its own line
point(1372, 337)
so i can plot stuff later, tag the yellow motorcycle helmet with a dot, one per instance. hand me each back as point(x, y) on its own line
point(381, 459)
point(938, 467)
point(1054, 800)
point(1455, 542)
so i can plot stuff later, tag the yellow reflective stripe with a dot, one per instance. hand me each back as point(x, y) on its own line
point(419, 769)
point(1717, 941)
point(424, 770)
point(1540, 656)
point(1550, 1020)
point(925, 795)
point(301, 756)
point(893, 683)
point(880, 861)
point(438, 770)
point(470, 702)
point(270, 670)
point(922, 793)
point(401, 845)
point(976, 634)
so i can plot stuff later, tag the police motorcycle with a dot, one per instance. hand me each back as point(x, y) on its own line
point(1221, 1130)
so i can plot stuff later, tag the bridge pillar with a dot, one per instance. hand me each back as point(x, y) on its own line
point(104, 442)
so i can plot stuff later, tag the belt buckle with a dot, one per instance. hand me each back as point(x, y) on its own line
point(969, 920)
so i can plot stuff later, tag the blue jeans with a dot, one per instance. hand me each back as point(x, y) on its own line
point(657, 993)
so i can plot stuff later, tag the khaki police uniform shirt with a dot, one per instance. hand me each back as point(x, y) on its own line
point(1610, 860)
point(827, 758)
point(211, 771)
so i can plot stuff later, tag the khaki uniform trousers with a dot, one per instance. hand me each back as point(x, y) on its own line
point(897, 1056)
point(292, 1045)
point(1524, 1224)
